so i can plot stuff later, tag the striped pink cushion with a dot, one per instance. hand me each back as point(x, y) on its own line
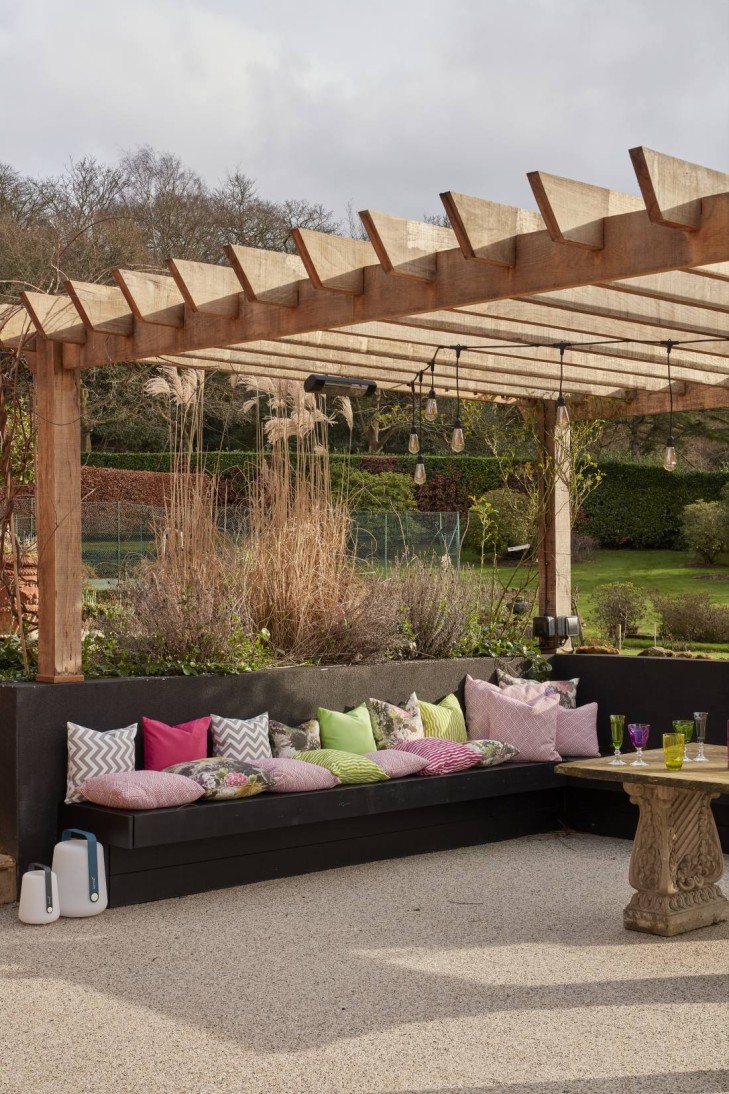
point(444, 757)
point(141, 790)
point(290, 776)
point(397, 764)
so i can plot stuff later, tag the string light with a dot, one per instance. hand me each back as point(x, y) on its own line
point(669, 455)
point(414, 440)
point(431, 407)
point(458, 442)
point(420, 475)
point(563, 418)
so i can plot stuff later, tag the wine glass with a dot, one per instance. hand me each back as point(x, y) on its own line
point(700, 718)
point(617, 729)
point(685, 726)
point(638, 732)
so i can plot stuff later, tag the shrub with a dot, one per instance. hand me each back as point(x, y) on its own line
point(620, 605)
point(436, 602)
point(692, 617)
point(704, 527)
point(583, 547)
point(500, 519)
point(367, 493)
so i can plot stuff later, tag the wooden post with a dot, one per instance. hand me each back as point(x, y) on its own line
point(554, 546)
point(58, 515)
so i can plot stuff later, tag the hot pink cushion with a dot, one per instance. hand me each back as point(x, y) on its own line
point(577, 731)
point(291, 775)
point(530, 727)
point(167, 745)
point(443, 757)
point(477, 710)
point(141, 790)
point(397, 764)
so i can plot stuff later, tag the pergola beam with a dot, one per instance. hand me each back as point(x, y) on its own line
point(673, 190)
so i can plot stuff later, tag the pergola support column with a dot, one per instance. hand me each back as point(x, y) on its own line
point(554, 535)
point(58, 515)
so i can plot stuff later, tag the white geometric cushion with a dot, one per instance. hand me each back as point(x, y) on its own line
point(477, 709)
point(244, 739)
point(91, 753)
point(530, 727)
point(577, 731)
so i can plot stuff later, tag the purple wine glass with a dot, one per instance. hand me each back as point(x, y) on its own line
point(638, 733)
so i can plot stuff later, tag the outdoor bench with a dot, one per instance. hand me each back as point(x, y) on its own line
point(154, 854)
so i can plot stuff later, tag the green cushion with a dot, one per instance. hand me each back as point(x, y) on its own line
point(444, 719)
point(350, 732)
point(350, 769)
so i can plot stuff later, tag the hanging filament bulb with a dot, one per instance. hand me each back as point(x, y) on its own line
point(419, 475)
point(563, 418)
point(413, 442)
point(431, 407)
point(458, 441)
point(669, 455)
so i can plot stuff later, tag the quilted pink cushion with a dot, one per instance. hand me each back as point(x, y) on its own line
point(443, 757)
point(141, 790)
point(577, 731)
point(167, 745)
point(530, 727)
point(397, 764)
point(477, 709)
point(290, 776)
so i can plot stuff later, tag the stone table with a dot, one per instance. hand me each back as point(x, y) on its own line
point(677, 857)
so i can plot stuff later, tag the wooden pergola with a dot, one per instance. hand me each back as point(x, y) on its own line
point(593, 266)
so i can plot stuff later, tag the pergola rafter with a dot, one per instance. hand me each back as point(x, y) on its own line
point(507, 284)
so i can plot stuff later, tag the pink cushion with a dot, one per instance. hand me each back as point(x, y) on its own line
point(291, 775)
point(397, 764)
point(140, 790)
point(531, 727)
point(477, 710)
point(167, 745)
point(443, 757)
point(577, 731)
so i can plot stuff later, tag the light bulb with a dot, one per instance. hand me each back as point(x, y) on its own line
point(563, 418)
point(669, 456)
point(419, 475)
point(413, 443)
point(458, 441)
point(431, 407)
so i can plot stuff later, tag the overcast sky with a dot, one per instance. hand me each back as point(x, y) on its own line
point(384, 103)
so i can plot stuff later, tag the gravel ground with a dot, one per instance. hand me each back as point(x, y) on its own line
point(502, 968)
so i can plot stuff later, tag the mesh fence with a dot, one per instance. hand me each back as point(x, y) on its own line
point(117, 536)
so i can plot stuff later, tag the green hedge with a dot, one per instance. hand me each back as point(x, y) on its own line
point(636, 505)
point(639, 505)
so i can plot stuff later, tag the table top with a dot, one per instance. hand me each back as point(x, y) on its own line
point(710, 777)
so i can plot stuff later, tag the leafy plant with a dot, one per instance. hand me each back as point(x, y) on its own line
point(705, 526)
point(619, 607)
point(692, 618)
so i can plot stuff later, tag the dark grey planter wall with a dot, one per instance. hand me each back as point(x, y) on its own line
point(650, 689)
point(33, 722)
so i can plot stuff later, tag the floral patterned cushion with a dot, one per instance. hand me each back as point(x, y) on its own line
point(443, 757)
point(565, 690)
point(350, 768)
point(396, 763)
point(391, 725)
point(287, 741)
point(444, 719)
point(493, 752)
point(222, 779)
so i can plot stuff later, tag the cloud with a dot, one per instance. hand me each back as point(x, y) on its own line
point(383, 105)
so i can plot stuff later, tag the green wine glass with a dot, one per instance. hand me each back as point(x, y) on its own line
point(686, 727)
point(617, 731)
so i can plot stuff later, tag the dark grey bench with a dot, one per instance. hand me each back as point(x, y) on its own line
point(153, 854)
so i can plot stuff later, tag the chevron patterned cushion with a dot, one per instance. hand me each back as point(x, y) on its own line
point(350, 768)
point(92, 752)
point(443, 757)
point(444, 719)
point(243, 739)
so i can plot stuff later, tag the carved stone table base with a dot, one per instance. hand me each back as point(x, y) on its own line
point(676, 861)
